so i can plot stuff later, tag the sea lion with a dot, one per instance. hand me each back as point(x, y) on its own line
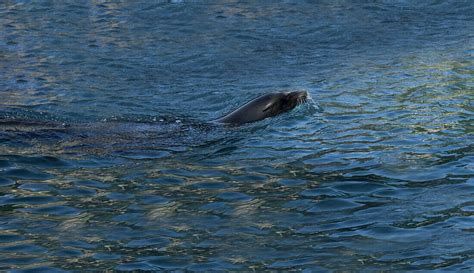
point(265, 106)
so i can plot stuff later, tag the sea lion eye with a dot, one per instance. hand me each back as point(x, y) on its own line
point(267, 107)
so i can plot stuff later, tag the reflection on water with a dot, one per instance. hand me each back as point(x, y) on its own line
point(109, 161)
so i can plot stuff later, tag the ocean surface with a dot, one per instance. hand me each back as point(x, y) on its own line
point(109, 159)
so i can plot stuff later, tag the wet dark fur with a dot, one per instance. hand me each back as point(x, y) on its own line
point(265, 106)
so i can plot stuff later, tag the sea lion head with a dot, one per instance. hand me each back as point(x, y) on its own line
point(285, 101)
point(265, 106)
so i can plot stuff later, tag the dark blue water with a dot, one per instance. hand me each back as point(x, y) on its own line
point(109, 161)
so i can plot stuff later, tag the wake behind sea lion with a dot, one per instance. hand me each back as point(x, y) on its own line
point(265, 106)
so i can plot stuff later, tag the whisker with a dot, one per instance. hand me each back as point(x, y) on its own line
point(301, 100)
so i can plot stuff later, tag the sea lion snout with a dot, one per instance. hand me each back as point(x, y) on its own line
point(298, 96)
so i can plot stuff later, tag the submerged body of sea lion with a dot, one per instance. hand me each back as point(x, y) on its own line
point(124, 136)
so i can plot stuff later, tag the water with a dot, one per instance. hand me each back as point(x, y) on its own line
point(375, 174)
